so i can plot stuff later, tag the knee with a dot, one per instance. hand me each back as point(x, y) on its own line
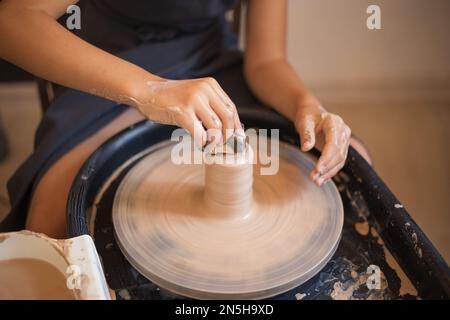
point(47, 211)
point(48, 217)
point(359, 146)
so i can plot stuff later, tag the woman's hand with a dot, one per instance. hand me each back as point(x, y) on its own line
point(195, 105)
point(327, 132)
point(31, 38)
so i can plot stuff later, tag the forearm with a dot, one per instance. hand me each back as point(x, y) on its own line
point(277, 85)
point(33, 40)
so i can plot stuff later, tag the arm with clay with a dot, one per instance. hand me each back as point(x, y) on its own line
point(31, 38)
point(276, 83)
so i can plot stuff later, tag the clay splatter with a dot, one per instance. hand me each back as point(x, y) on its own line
point(300, 296)
point(362, 228)
point(406, 287)
point(347, 290)
point(124, 294)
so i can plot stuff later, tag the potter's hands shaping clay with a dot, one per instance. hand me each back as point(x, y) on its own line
point(327, 132)
point(192, 104)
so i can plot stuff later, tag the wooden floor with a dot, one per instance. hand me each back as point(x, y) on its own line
point(409, 144)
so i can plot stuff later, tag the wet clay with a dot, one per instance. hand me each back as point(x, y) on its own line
point(32, 279)
point(225, 230)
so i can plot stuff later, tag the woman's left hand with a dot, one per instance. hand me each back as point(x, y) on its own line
point(325, 131)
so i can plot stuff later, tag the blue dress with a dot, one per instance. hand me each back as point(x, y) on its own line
point(175, 39)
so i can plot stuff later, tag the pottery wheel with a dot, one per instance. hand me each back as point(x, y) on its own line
point(164, 227)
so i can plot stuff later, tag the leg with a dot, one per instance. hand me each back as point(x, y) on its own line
point(361, 148)
point(47, 212)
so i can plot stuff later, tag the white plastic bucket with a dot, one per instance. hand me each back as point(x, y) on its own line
point(76, 258)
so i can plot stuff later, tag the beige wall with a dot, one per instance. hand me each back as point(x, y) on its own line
point(331, 47)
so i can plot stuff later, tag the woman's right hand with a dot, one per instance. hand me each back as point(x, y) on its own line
point(195, 105)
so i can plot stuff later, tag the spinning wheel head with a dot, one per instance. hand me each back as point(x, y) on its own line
point(225, 231)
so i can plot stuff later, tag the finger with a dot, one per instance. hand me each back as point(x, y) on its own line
point(331, 173)
point(226, 116)
point(222, 94)
point(341, 155)
point(331, 156)
point(210, 121)
point(228, 103)
point(238, 125)
point(193, 125)
point(208, 118)
point(306, 127)
point(314, 175)
point(331, 151)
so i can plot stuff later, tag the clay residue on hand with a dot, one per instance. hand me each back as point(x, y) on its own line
point(164, 115)
point(152, 111)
